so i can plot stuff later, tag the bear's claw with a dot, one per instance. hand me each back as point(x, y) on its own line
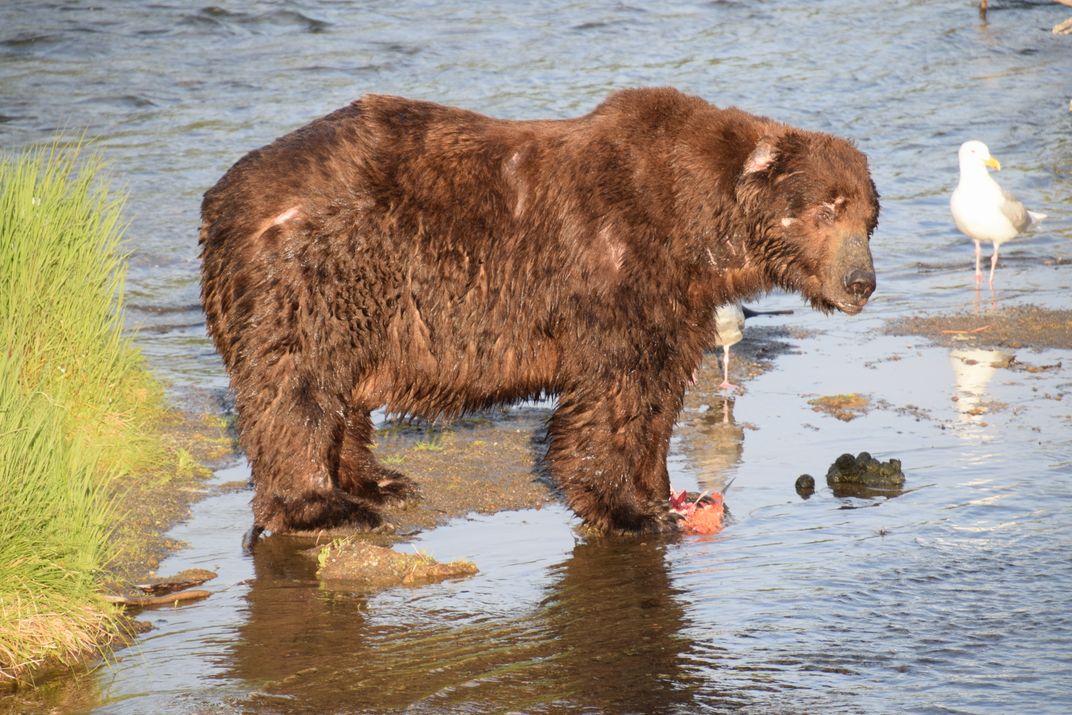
point(387, 488)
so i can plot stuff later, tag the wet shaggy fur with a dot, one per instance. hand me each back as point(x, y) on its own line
point(435, 261)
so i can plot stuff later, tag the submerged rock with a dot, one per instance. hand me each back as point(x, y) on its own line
point(163, 590)
point(366, 566)
point(161, 585)
point(844, 407)
point(865, 476)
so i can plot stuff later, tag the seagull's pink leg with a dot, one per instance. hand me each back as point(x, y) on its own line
point(978, 260)
point(993, 265)
point(726, 384)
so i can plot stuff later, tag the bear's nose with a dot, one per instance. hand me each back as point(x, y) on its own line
point(859, 283)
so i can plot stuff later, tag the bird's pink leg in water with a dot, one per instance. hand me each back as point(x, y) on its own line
point(726, 384)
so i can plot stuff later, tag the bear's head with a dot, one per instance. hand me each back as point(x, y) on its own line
point(811, 207)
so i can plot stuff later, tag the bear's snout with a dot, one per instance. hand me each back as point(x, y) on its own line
point(850, 279)
point(860, 284)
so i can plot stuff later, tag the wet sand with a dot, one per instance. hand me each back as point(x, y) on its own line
point(151, 504)
point(1022, 326)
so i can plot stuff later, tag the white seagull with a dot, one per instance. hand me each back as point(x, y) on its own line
point(982, 209)
point(729, 330)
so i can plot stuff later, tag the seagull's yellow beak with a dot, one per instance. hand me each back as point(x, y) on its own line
point(993, 163)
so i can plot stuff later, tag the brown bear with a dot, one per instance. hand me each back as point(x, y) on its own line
point(435, 261)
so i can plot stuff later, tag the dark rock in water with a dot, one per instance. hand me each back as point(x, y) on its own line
point(805, 485)
point(865, 476)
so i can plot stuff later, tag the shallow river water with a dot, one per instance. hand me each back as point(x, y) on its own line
point(954, 597)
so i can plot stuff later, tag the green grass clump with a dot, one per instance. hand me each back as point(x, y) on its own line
point(78, 409)
point(429, 445)
point(55, 516)
point(61, 294)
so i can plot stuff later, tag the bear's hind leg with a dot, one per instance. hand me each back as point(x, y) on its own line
point(291, 436)
point(359, 472)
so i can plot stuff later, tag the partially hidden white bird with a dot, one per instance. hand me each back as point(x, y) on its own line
point(729, 330)
point(984, 211)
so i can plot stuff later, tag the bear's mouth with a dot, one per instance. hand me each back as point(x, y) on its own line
point(827, 301)
point(848, 291)
point(850, 308)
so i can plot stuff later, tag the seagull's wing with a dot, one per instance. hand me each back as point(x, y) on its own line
point(1014, 211)
point(729, 324)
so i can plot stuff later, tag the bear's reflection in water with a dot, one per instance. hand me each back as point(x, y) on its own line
point(607, 636)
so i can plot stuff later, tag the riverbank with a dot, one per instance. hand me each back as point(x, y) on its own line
point(87, 436)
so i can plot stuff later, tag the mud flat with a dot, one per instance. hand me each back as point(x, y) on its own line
point(1022, 326)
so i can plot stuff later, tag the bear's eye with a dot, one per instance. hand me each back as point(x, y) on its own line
point(826, 213)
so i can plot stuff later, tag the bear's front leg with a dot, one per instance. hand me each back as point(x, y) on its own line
point(608, 453)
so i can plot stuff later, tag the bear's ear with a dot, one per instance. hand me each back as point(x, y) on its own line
point(761, 157)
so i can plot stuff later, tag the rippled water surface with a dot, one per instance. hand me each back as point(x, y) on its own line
point(951, 598)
